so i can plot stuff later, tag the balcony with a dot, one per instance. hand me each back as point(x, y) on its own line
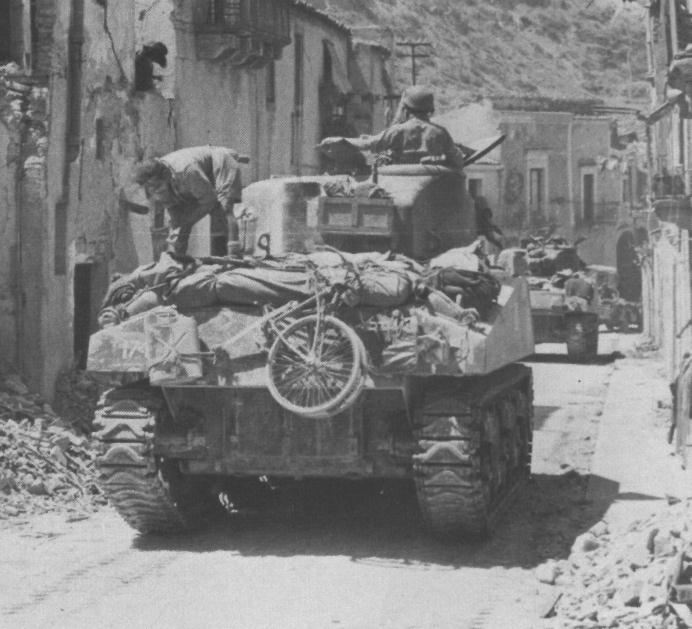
point(243, 32)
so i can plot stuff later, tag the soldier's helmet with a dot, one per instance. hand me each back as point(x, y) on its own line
point(419, 99)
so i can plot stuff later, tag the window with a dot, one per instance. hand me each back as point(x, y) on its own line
point(475, 187)
point(327, 73)
point(100, 130)
point(588, 196)
point(271, 83)
point(536, 190)
point(537, 183)
point(82, 313)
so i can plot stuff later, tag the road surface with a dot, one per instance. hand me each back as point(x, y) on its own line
point(357, 562)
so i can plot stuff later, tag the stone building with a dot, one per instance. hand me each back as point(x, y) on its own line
point(563, 168)
point(81, 106)
point(666, 259)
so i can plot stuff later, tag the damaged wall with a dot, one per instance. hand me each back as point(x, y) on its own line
point(116, 129)
point(82, 142)
point(564, 148)
point(10, 134)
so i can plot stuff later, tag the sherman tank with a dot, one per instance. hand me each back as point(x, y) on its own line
point(359, 338)
point(559, 317)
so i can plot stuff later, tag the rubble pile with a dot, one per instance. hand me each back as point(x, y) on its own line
point(622, 578)
point(44, 464)
point(76, 396)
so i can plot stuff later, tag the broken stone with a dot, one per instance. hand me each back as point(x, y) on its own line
point(615, 617)
point(37, 488)
point(13, 383)
point(663, 545)
point(639, 558)
point(58, 455)
point(630, 594)
point(585, 543)
point(599, 529)
point(547, 572)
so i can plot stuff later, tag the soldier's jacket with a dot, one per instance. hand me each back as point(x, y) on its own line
point(579, 287)
point(204, 176)
point(413, 137)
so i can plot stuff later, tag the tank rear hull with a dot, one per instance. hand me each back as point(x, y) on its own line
point(555, 322)
point(465, 443)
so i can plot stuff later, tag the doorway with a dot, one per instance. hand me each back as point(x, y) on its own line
point(629, 271)
point(588, 197)
point(90, 284)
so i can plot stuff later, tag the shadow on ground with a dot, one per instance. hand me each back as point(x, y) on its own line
point(381, 525)
point(601, 359)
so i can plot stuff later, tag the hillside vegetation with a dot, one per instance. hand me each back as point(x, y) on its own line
point(553, 48)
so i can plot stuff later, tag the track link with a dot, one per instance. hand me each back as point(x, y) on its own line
point(474, 437)
point(138, 485)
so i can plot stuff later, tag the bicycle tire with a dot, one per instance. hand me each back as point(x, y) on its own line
point(292, 390)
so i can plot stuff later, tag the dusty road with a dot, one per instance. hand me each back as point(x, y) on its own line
point(356, 562)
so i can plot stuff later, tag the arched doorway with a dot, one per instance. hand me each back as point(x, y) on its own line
point(629, 271)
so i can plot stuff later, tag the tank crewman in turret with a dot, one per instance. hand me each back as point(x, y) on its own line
point(411, 138)
point(192, 183)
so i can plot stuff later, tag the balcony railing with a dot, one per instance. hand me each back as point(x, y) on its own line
point(246, 32)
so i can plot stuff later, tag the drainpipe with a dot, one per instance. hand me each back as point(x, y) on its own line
point(649, 161)
point(672, 8)
point(650, 65)
point(570, 173)
point(73, 120)
point(18, 287)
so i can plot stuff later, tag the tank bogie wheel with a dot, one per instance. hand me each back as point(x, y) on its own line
point(314, 367)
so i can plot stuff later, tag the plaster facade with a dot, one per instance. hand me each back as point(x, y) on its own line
point(76, 131)
point(555, 172)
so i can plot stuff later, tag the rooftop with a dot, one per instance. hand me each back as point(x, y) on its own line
point(306, 7)
point(587, 107)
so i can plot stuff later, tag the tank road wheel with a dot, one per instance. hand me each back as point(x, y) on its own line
point(582, 336)
point(474, 437)
point(315, 367)
point(149, 492)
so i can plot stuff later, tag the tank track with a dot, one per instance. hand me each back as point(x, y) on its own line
point(474, 437)
point(137, 484)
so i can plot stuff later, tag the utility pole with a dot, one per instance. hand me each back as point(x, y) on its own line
point(414, 54)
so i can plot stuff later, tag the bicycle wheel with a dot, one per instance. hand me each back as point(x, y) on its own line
point(314, 366)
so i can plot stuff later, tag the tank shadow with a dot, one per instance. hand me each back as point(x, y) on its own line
point(381, 525)
point(601, 359)
point(541, 414)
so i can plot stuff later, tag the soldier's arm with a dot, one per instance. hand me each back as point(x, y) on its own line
point(372, 143)
point(228, 182)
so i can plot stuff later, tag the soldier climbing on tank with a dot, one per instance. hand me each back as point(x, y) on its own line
point(412, 138)
point(192, 183)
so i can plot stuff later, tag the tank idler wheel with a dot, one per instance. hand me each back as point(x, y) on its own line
point(149, 492)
